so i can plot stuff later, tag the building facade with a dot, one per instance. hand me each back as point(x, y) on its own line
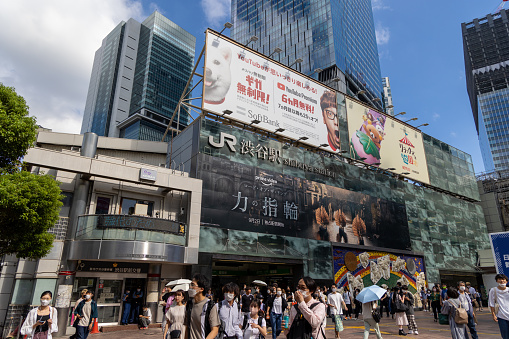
point(486, 52)
point(126, 223)
point(387, 96)
point(494, 191)
point(335, 40)
point(138, 76)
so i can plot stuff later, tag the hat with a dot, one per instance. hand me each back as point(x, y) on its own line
point(183, 287)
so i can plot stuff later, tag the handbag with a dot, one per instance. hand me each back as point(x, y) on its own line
point(175, 334)
point(443, 319)
point(400, 305)
point(376, 315)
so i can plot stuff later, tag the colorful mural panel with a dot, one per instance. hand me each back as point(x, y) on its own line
point(359, 269)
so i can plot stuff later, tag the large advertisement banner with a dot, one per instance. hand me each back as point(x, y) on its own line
point(500, 246)
point(247, 198)
point(260, 92)
point(359, 269)
point(386, 143)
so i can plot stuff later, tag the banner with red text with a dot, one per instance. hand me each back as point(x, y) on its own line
point(263, 93)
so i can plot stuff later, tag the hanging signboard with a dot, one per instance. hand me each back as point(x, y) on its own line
point(254, 90)
point(381, 141)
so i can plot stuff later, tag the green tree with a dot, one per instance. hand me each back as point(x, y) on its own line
point(29, 203)
point(17, 129)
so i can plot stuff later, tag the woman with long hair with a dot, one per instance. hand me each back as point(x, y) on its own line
point(175, 316)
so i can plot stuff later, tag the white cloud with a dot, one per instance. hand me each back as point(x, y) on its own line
point(378, 5)
point(48, 49)
point(435, 116)
point(382, 34)
point(217, 12)
point(454, 134)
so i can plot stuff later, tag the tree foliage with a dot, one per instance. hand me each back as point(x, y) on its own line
point(29, 206)
point(17, 129)
point(29, 203)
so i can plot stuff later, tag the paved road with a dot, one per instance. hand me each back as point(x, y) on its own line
point(353, 329)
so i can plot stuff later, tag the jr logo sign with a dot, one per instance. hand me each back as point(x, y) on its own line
point(229, 139)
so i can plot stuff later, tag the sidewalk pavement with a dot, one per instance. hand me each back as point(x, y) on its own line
point(428, 329)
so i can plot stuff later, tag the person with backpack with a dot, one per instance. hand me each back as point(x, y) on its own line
point(201, 321)
point(466, 302)
point(307, 317)
point(500, 296)
point(229, 313)
point(410, 313)
point(275, 309)
point(253, 325)
point(399, 308)
point(85, 315)
point(41, 321)
point(450, 307)
point(347, 297)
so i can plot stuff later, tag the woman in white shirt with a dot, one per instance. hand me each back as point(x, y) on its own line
point(41, 321)
point(253, 324)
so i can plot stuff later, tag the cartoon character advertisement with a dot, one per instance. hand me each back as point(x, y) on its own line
point(262, 93)
point(359, 269)
point(383, 142)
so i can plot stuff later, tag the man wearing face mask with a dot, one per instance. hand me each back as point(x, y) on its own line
point(201, 320)
point(337, 305)
point(245, 301)
point(500, 295)
point(229, 312)
point(275, 309)
point(137, 299)
point(466, 303)
point(86, 312)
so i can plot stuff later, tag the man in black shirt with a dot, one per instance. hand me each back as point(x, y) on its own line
point(245, 301)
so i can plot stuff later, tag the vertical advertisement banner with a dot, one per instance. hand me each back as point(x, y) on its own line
point(386, 143)
point(258, 91)
point(500, 248)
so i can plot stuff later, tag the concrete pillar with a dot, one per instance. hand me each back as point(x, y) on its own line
point(7, 273)
point(153, 282)
point(67, 269)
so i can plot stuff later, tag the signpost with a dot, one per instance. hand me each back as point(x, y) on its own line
point(500, 247)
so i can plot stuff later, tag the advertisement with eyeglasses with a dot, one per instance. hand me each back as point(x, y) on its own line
point(384, 142)
point(247, 87)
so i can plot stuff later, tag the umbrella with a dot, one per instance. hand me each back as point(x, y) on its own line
point(183, 287)
point(259, 282)
point(178, 282)
point(371, 293)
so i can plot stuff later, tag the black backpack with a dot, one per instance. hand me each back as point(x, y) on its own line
point(260, 321)
point(189, 309)
point(301, 328)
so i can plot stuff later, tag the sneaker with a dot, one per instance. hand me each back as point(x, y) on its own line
point(401, 332)
point(410, 332)
point(416, 333)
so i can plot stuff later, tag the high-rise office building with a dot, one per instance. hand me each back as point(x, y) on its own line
point(387, 96)
point(486, 52)
point(138, 76)
point(335, 40)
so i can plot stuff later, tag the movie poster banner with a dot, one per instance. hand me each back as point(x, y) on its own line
point(247, 198)
point(260, 92)
point(359, 269)
point(386, 143)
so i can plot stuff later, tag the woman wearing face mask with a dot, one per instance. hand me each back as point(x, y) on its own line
point(42, 320)
point(275, 309)
point(311, 310)
point(254, 326)
point(175, 316)
point(435, 302)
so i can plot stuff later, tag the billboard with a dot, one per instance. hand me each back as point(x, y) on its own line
point(359, 269)
point(258, 91)
point(500, 248)
point(381, 141)
point(247, 198)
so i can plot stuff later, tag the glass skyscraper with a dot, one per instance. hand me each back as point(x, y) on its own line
point(138, 76)
point(335, 40)
point(486, 52)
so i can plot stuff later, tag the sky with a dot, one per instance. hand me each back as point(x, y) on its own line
point(47, 50)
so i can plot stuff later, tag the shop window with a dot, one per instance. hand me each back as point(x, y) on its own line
point(137, 207)
point(103, 205)
point(42, 285)
point(22, 291)
point(81, 283)
point(66, 204)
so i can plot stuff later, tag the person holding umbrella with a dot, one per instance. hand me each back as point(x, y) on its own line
point(368, 297)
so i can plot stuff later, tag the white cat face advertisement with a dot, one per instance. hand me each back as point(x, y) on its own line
point(265, 94)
